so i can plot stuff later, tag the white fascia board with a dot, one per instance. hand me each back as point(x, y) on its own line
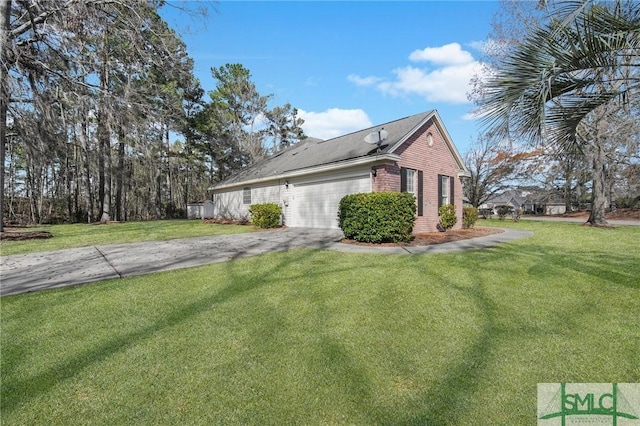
point(464, 173)
point(452, 146)
point(378, 159)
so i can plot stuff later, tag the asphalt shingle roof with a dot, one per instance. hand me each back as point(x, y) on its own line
point(313, 152)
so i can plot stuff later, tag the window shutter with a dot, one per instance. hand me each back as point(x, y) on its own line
point(403, 179)
point(420, 193)
point(452, 184)
point(439, 190)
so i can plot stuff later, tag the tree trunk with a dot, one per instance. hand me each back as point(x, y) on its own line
point(5, 15)
point(120, 174)
point(568, 183)
point(104, 137)
point(105, 176)
point(101, 172)
point(158, 176)
point(84, 142)
point(598, 191)
point(169, 183)
point(69, 181)
point(77, 180)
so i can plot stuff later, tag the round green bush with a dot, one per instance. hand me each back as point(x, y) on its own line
point(266, 215)
point(503, 211)
point(469, 217)
point(377, 217)
point(447, 214)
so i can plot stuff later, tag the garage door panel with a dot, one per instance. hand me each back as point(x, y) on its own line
point(316, 204)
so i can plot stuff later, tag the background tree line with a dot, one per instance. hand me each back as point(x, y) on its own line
point(95, 95)
point(560, 99)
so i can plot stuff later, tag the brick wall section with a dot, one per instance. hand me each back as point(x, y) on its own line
point(432, 160)
point(387, 178)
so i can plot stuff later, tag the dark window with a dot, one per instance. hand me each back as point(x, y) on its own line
point(420, 191)
point(403, 179)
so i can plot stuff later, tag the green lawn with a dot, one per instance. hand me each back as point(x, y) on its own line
point(323, 337)
point(81, 235)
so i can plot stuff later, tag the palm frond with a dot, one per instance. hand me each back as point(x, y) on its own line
point(562, 72)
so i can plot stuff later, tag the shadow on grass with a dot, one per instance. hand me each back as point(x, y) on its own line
point(444, 403)
point(614, 269)
point(449, 399)
point(20, 392)
point(454, 394)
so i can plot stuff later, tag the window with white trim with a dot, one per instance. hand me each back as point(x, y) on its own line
point(445, 197)
point(444, 193)
point(411, 179)
point(246, 195)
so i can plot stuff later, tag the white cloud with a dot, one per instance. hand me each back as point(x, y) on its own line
point(480, 45)
point(449, 54)
point(445, 79)
point(448, 84)
point(333, 122)
point(473, 115)
point(363, 81)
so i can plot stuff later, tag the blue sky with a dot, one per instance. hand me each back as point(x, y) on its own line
point(347, 65)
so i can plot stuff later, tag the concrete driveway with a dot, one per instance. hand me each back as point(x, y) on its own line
point(37, 271)
point(24, 273)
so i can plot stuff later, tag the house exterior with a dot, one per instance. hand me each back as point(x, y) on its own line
point(309, 179)
point(511, 198)
point(525, 202)
point(554, 208)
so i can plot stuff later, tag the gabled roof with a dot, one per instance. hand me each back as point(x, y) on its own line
point(516, 196)
point(312, 154)
point(507, 197)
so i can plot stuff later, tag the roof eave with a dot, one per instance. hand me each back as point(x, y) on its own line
point(376, 159)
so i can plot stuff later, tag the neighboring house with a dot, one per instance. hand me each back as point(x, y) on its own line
point(509, 198)
point(552, 207)
point(528, 203)
point(309, 178)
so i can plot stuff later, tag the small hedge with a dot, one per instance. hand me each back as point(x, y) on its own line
point(469, 217)
point(503, 211)
point(378, 217)
point(447, 214)
point(266, 215)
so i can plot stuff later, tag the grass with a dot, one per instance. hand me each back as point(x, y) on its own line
point(322, 337)
point(81, 235)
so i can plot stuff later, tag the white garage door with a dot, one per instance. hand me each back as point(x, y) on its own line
point(315, 205)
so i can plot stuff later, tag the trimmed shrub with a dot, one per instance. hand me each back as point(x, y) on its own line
point(266, 215)
point(485, 213)
point(469, 217)
point(378, 217)
point(503, 211)
point(447, 214)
